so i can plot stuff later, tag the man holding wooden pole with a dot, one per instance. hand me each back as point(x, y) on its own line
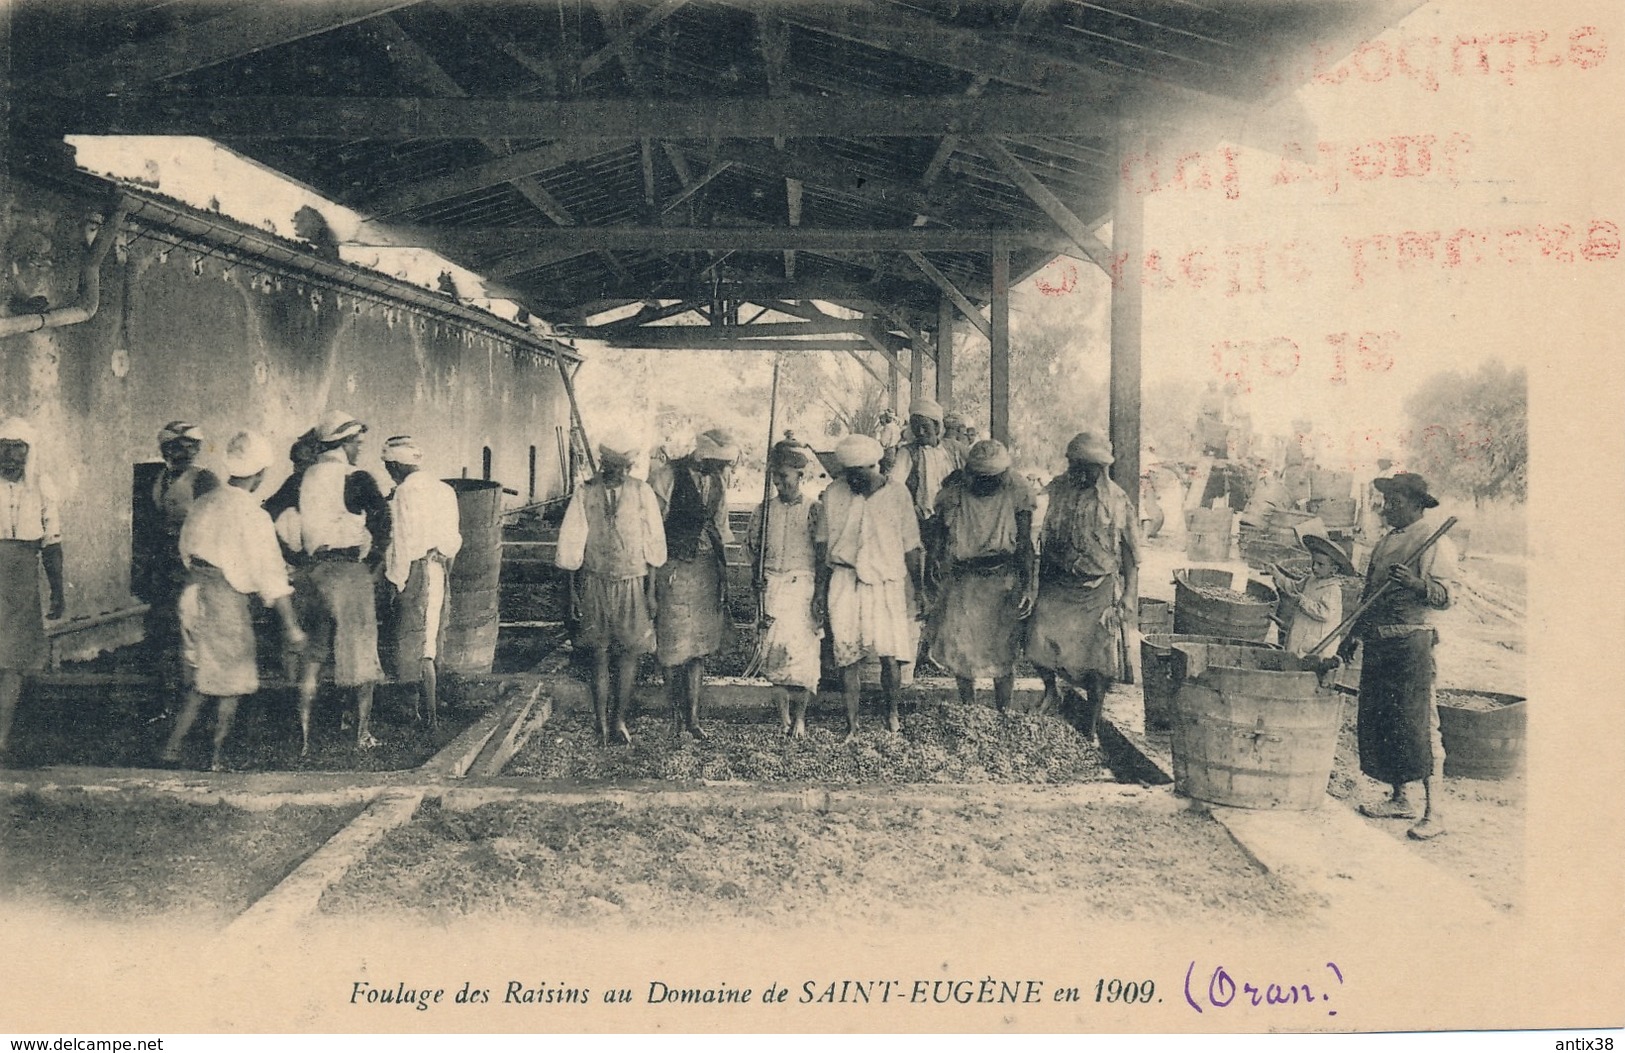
point(1406, 581)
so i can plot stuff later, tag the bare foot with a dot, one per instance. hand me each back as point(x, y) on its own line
point(1426, 830)
point(799, 731)
point(698, 732)
point(366, 741)
point(217, 765)
point(893, 724)
point(1388, 809)
point(851, 734)
point(622, 734)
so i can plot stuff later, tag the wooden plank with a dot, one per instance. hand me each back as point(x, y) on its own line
point(1128, 235)
point(863, 184)
point(250, 28)
point(999, 350)
point(828, 240)
point(818, 327)
point(959, 298)
point(945, 351)
point(620, 47)
point(712, 338)
point(646, 158)
point(1054, 207)
point(695, 186)
point(347, 117)
point(494, 172)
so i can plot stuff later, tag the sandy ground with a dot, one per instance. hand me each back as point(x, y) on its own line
point(676, 867)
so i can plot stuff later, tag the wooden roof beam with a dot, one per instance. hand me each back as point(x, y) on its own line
point(826, 240)
point(705, 339)
point(420, 66)
point(681, 334)
point(620, 47)
point(1095, 249)
point(249, 28)
point(960, 300)
point(495, 172)
point(346, 117)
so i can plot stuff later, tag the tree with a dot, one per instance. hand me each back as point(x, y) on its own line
point(1469, 433)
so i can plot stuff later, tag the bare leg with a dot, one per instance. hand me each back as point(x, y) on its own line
point(696, 677)
point(1051, 701)
point(1004, 689)
point(11, 688)
point(626, 681)
point(850, 679)
point(307, 701)
point(1432, 824)
point(675, 685)
point(781, 696)
point(183, 725)
point(429, 690)
point(600, 693)
point(890, 684)
point(363, 709)
point(1094, 698)
point(222, 728)
point(967, 689)
point(798, 699)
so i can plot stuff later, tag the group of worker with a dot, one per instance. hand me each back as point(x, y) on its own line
point(320, 553)
point(918, 549)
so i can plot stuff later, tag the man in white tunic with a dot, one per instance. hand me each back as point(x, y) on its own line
point(868, 544)
point(780, 539)
point(612, 540)
point(30, 536)
point(424, 539)
point(230, 551)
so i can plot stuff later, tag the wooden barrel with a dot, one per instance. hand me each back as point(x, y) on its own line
point(471, 633)
point(1209, 534)
point(1483, 733)
point(1156, 616)
point(1260, 554)
point(1252, 728)
point(1159, 683)
point(1199, 612)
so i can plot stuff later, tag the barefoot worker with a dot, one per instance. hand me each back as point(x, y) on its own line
point(1398, 721)
point(984, 542)
point(693, 612)
point(161, 575)
point(344, 529)
point(781, 537)
point(230, 551)
point(1089, 565)
point(868, 550)
point(30, 536)
point(612, 539)
point(424, 539)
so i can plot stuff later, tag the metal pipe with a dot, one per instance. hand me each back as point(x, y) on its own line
point(90, 285)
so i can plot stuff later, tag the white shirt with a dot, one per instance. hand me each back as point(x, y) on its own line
point(29, 510)
point(324, 521)
point(423, 511)
point(227, 528)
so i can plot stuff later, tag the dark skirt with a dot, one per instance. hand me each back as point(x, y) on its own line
point(22, 623)
point(978, 630)
point(1396, 718)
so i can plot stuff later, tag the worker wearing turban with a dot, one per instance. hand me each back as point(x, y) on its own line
point(1088, 576)
point(984, 546)
point(30, 536)
point(159, 575)
point(692, 619)
point(781, 547)
point(869, 555)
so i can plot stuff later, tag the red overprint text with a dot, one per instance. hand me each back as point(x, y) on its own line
point(1331, 166)
point(1242, 363)
point(1509, 56)
point(1465, 248)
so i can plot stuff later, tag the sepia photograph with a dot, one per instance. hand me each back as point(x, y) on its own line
point(811, 516)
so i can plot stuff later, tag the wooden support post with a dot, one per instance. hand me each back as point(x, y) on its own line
point(1128, 234)
point(945, 352)
point(916, 365)
point(894, 386)
point(999, 353)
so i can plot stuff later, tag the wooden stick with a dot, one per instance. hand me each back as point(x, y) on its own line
point(1348, 622)
point(759, 571)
